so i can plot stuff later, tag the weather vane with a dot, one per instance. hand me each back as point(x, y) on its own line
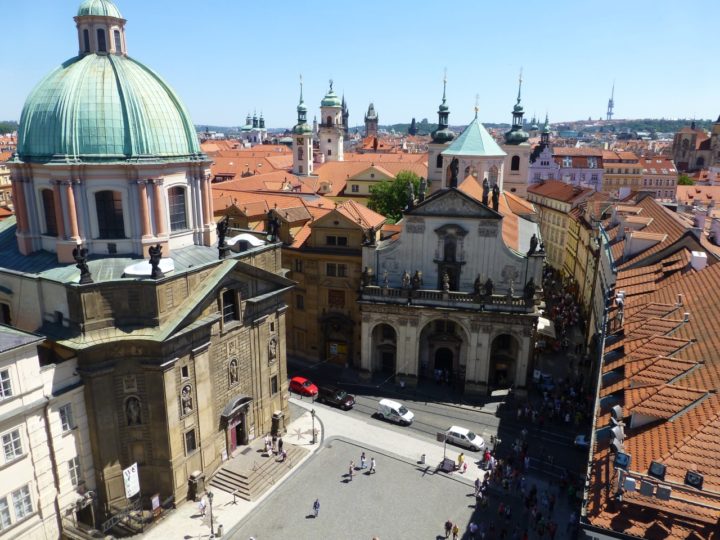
point(331, 83)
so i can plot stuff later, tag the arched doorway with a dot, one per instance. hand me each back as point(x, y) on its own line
point(384, 342)
point(441, 352)
point(503, 361)
point(337, 343)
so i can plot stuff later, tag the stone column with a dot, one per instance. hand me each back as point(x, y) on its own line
point(72, 210)
point(159, 208)
point(59, 222)
point(144, 211)
point(204, 192)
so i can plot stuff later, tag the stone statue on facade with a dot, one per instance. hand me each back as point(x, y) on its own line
point(489, 287)
point(273, 226)
point(222, 230)
point(186, 400)
point(369, 237)
point(477, 286)
point(454, 169)
point(533, 244)
point(529, 292)
point(132, 411)
point(405, 280)
point(367, 276)
point(233, 371)
point(422, 190)
point(486, 191)
point(495, 197)
point(272, 349)
point(80, 256)
point(417, 280)
point(155, 253)
point(410, 197)
point(386, 280)
point(446, 282)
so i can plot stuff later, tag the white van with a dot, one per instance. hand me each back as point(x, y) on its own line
point(395, 412)
point(464, 437)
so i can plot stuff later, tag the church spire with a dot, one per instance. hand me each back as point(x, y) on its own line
point(443, 134)
point(517, 135)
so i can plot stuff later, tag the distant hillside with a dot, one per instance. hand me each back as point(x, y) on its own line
point(7, 126)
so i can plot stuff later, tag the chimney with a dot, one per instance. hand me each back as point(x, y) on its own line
point(679, 300)
point(699, 219)
point(698, 260)
point(686, 317)
point(715, 231)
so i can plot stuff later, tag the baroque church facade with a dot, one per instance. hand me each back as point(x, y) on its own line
point(182, 358)
point(455, 291)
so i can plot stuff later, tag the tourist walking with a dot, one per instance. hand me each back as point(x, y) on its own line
point(448, 528)
point(455, 532)
point(351, 470)
point(316, 507)
point(363, 461)
point(372, 465)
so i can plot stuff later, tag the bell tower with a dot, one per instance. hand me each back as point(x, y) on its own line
point(331, 126)
point(302, 140)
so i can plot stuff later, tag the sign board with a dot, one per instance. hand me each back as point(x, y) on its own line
point(155, 501)
point(131, 480)
point(441, 435)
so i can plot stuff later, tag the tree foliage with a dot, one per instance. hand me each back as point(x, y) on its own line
point(7, 127)
point(685, 180)
point(391, 198)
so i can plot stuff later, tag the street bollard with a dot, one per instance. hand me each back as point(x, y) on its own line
point(422, 459)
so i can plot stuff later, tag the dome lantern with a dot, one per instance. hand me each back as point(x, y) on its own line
point(101, 28)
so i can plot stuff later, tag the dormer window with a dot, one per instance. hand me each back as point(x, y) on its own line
point(102, 45)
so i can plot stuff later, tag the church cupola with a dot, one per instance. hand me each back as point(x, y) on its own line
point(517, 135)
point(545, 137)
point(101, 28)
point(331, 132)
point(255, 120)
point(443, 134)
point(262, 121)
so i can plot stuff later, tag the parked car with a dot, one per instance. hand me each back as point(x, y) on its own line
point(395, 412)
point(582, 442)
point(302, 386)
point(465, 438)
point(335, 396)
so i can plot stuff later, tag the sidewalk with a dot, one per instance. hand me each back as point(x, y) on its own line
point(185, 522)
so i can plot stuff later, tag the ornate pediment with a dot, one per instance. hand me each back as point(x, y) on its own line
point(454, 203)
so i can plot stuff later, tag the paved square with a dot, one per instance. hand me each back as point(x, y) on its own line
point(399, 501)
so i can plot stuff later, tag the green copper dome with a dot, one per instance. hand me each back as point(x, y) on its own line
point(98, 8)
point(331, 100)
point(105, 108)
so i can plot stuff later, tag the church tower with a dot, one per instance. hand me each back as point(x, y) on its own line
point(302, 141)
point(371, 122)
point(331, 126)
point(441, 138)
point(518, 151)
point(345, 117)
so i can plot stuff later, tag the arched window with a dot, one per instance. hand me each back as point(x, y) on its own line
point(110, 214)
point(102, 46)
point(48, 200)
point(515, 163)
point(439, 162)
point(178, 211)
point(493, 175)
point(86, 40)
point(118, 41)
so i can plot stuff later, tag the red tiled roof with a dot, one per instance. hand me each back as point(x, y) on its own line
point(559, 191)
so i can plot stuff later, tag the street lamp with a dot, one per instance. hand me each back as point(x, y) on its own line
point(212, 527)
point(312, 413)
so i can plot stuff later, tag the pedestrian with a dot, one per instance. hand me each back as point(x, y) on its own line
point(280, 445)
point(363, 461)
point(472, 528)
point(201, 506)
point(316, 507)
point(460, 460)
point(455, 531)
point(477, 486)
point(351, 470)
point(372, 465)
point(283, 456)
point(448, 528)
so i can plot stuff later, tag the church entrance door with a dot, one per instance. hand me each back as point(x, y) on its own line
point(444, 360)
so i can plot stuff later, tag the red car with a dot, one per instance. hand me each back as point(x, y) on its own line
point(302, 386)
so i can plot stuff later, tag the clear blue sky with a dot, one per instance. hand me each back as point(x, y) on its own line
point(228, 57)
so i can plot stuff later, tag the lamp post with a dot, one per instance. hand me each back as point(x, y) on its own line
point(212, 527)
point(312, 413)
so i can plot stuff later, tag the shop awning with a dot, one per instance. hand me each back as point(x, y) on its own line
point(546, 328)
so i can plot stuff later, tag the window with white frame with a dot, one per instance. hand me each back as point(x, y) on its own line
point(22, 502)
point(5, 520)
point(74, 469)
point(567, 161)
point(5, 386)
point(66, 417)
point(12, 445)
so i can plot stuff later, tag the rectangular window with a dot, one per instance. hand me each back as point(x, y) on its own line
point(118, 43)
point(66, 417)
point(299, 265)
point(12, 445)
point(22, 502)
point(190, 443)
point(355, 188)
point(336, 298)
point(176, 203)
point(336, 240)
point(102, 46)
point(48, 200)
point(299, 301)
point(230, 310)
point(592, 163)
point(110, 218)
point(336, 270)
point(5, 386)
point(4, 514)
point(74, 469)
point(273, 385)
